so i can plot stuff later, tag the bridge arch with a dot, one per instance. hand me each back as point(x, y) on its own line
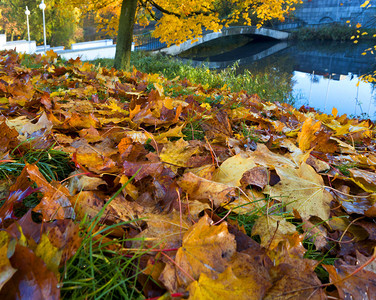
point(325, 20)
point(236, 30)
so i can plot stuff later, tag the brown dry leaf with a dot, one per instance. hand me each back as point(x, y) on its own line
point(307, 134)
point(86, 203)
point(317, 234)
point(206, 250)
point(361, 285)
point(65, 236)
point(344, 147)
point(154, 269)
point(80, 121)
point(91, 135)
point(202, 189)
point(364, 260)
point(296, 280)
point(302, 190)
point(257, 176)
point(8, 137)
point(293, 276)
point(144, 169)
point(195, 207)
point(344, 225)
point(323, 143)
point(272, 230)
point(218, 128)
point(319, 165)
point(55, 203)
point(205, 171)
point(123, 210)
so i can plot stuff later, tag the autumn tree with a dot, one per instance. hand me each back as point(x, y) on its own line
point(12, 17)
point(61, 21)
point(178, 21)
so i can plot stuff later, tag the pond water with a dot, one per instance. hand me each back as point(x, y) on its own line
point(324, 74)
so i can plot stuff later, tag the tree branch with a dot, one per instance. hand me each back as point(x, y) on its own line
point(161, 9)
point(151, 13)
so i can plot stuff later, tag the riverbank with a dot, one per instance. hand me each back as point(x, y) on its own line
point(332, 32)
point(268, 85)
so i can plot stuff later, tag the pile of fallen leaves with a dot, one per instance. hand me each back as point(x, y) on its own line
point(179, 167)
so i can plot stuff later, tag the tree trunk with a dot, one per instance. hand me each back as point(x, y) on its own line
point(125, 34)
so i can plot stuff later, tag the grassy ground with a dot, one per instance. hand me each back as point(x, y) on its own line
point(270, 86)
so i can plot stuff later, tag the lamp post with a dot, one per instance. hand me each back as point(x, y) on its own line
point(27, 13)
point(42, 6)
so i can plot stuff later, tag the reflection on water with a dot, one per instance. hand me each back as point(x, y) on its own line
point(325, 74)
point(345, 92)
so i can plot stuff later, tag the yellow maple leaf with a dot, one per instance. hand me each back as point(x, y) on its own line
point(302, 190)
point(307, 134)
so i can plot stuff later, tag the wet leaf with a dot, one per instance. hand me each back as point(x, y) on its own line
point(32, 280)
point(6, 269)
point(50, 254)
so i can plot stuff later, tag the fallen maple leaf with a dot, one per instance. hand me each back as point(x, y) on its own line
point(302, 190)
point(6, 269)
point(307, 135)
point(352, 281)
point(226, 286)
point(202, 189)
point(163, 231)
point(206, 249)
point(272, 230)
point(32, 280)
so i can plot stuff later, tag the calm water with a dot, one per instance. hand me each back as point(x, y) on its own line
point(324, 75)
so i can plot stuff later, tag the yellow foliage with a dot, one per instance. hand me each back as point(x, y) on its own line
point(187, 19)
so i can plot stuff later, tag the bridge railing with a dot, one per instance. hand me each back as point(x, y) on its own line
point(147, 42)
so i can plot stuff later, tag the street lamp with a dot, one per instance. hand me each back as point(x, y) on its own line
point(27, 13)
point(42, 6)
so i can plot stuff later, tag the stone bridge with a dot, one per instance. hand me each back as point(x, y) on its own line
point(235, 30)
